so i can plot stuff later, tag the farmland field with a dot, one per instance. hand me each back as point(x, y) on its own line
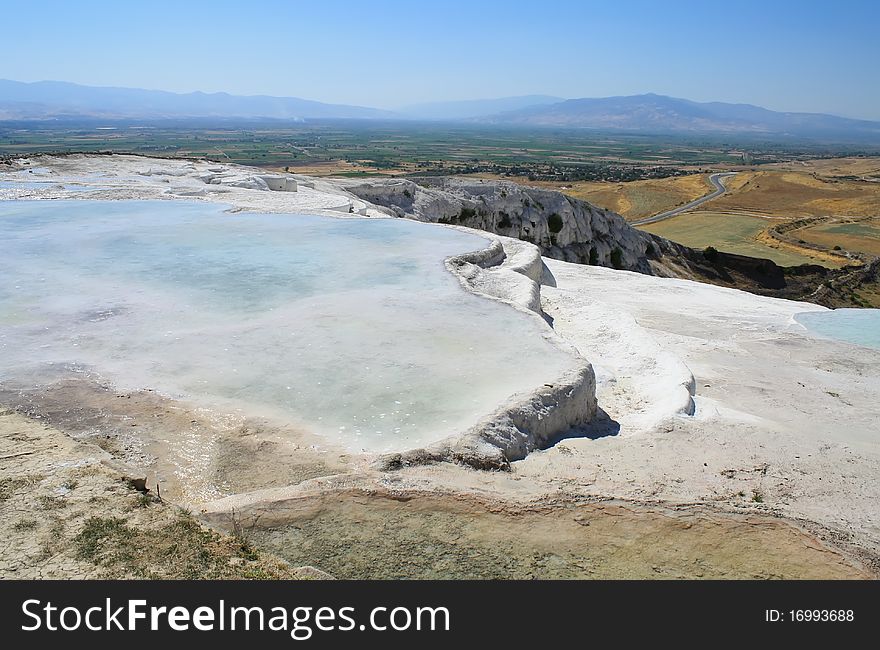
point(638, 199)
point(793, 194)
point(864, 168)
point(731, 233)
point(358, 147)
point(863, 235)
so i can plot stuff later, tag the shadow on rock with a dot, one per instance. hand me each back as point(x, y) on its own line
point(601, 426)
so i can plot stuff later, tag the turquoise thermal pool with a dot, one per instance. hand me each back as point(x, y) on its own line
point(859, 326)
point(350, 328)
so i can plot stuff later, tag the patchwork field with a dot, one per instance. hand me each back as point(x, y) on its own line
point(867, 168)
point(371, 147)
point(845, 190)
point(731, 233)
point(638, 199)
point(863, 235)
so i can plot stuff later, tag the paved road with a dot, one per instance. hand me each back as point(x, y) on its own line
point(715, 179)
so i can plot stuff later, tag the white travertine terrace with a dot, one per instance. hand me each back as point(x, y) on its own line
point(508, 271)
point(705, 395)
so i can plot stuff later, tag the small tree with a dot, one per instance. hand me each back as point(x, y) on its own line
point(466, 213)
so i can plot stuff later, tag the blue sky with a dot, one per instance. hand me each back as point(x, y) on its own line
point(785, 55)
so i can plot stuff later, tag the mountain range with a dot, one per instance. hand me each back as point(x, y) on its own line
point(648, 113)
point(58, 99)
point(660, 114)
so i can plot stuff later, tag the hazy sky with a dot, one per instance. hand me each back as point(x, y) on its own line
point(785, 55)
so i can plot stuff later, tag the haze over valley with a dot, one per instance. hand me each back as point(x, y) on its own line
point(646, 113)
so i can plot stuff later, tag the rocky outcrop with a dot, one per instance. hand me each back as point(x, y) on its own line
point(563, 227)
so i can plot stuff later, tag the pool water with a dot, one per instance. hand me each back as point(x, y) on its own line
point(859, 326)
point(350, 328)
point(37, 185)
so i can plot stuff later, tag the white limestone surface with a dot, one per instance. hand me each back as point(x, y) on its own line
point(285, 313)
point(783, 420)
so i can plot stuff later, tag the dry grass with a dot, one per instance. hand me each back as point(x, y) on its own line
point(834, 167)
point(798, 194)
point(180, 548)
point(637, 199)
point(65, 514)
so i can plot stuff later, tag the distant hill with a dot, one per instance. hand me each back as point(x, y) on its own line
point(475, 107)
point(652, 114)
point(660, 114)
point(53, 99)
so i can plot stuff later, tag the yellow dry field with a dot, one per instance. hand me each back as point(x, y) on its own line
point(866, 168)
point(637, 199)
point(754, 201)
point(798, 194)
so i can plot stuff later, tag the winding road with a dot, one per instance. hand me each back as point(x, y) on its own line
point(715, 179)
